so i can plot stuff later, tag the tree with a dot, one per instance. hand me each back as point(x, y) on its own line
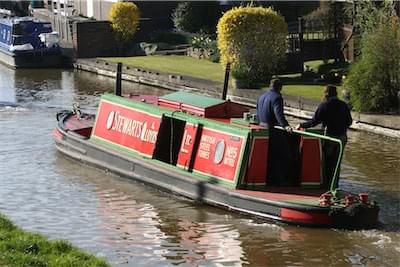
point(197, 16)
point(253, 38)
point(124, 17)
point(374, 80)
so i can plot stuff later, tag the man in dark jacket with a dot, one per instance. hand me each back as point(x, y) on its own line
point(335, 117)
point(283, 156)
point(270, 107)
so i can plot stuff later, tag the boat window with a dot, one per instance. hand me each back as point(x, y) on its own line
point(18, 41)
point(18, 30)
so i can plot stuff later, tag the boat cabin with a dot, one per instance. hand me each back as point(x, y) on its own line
point(26, 33)
point(216, 140)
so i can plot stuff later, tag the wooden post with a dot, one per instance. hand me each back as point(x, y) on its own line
point(226, 81)
point(118, 90)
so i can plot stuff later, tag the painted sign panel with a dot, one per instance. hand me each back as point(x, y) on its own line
point(131, 128)
point(218, 154)
point(186, 150)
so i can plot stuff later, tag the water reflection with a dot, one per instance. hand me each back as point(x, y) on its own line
point(131, 224)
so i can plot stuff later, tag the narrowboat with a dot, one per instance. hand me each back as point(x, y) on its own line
point(26, 42)
point(212, 151)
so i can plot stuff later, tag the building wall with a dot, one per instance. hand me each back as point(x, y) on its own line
point(93, 38)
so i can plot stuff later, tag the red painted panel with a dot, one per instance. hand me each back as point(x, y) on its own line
point(169, 104)
point(257, 167)
point(218, 154)
point(128, 127)
point(311, 163)
point(305, 217)
point(186, 151)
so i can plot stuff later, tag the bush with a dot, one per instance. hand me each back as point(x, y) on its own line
point(374, 80)
point(196, 16)
point(124, 17)
point(172, 38)
point(254, 37)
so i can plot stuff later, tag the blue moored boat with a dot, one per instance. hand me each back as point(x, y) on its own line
point(28, 42)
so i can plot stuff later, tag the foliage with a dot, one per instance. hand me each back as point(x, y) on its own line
point(367, 15)
point(195, 16)
point(374, 80)
point(18, 248)
point(255, 37)
point(240, 72)
point(124, 17)
point(172, 38)
point(205, 42)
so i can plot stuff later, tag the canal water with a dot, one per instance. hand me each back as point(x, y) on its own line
point(130, 224)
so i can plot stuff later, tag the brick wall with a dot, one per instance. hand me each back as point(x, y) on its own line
point(93, 38)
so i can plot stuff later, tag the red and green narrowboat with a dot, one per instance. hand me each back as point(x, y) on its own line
point(210, 150)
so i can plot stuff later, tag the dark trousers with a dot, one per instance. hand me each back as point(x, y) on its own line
point(330, 156)
point(283, 158)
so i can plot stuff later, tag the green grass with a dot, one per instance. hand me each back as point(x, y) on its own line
point(320, 67)
point(307, 91)
point(294, 85)
point(183, 65)
point(19, 248)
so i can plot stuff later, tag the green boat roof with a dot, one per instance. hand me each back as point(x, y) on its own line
point(193, 99)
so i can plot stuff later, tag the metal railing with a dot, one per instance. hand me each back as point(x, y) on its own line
point(335, 178)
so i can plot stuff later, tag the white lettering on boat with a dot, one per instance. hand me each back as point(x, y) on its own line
point(137, 129)
point(230, 156)
point(205, 146)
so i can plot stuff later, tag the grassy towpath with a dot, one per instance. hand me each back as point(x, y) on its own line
point(20, 248)
point(182, 65)
point(294, 85)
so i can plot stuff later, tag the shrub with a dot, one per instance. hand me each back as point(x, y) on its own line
point(255, 37)
point(195, 16)
point(124, 17)
point(374, 80)
point(205, 43)
point(172, 38)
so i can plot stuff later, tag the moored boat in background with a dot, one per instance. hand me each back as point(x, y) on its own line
point(27, 42)
point(212, 151)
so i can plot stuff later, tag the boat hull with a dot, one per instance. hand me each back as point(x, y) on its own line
point(31, 60)
point(175, 181)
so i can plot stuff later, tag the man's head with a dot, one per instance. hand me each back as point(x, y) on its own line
point(330, 91)
point(276, 85)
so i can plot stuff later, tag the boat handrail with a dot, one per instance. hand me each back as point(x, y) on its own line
point(329, 138)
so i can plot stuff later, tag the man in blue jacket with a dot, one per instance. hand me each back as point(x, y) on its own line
point(335, 116)
point(270, 107)
point(283, 155)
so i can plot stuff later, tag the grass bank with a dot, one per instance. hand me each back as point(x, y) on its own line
point(294, 84)
point(19, 248)
point(182, 65)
